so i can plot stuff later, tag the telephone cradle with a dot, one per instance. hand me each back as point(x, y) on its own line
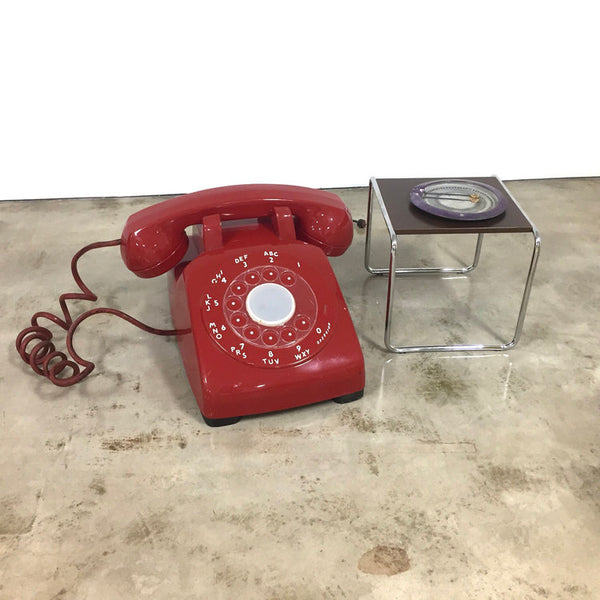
point(262, 323)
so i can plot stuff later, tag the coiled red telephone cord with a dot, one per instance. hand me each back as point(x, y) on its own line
point(43, 357)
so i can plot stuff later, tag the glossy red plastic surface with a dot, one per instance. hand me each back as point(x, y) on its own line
point(239, 367)
point(154, 240)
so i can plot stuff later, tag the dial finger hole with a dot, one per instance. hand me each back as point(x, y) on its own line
point(269, 274)
point(234, 303)
point(239, 319)
point(270, 338)
point(302, 322)
point(288, 278)
point(288, 335)
point(251, 332)
point(238, 288)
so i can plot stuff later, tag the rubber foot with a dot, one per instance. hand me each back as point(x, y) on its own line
point(220, 422)
point(349, 397)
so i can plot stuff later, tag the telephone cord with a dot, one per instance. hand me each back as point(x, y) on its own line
point(43, 357)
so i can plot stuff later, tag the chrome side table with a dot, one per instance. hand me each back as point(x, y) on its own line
point(392, 196)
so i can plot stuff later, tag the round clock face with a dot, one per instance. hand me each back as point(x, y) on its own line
point(459, 199)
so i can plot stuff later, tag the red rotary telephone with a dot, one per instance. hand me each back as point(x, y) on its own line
point(261, 322)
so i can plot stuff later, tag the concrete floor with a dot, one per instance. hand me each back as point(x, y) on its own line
point(456, 476)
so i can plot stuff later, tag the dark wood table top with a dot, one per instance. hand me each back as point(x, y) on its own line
point(407, 219)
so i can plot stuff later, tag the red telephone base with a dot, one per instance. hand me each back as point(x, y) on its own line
point(240, 357)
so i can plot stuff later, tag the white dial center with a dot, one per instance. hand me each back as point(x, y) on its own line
point(270, 304)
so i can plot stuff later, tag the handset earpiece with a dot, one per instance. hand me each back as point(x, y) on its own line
point(153, 250)
point(327, 226)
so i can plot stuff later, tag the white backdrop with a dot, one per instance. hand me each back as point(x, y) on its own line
point(142, 97)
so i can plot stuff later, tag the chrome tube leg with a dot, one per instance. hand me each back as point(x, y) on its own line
point(477, 253)
point(369, 229)
point(528, 283)
point(390, 294)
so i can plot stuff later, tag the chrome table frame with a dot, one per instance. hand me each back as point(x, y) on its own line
point(392, 271)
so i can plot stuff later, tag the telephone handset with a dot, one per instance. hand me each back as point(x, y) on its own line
point(154, 239)
point(260, 320)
